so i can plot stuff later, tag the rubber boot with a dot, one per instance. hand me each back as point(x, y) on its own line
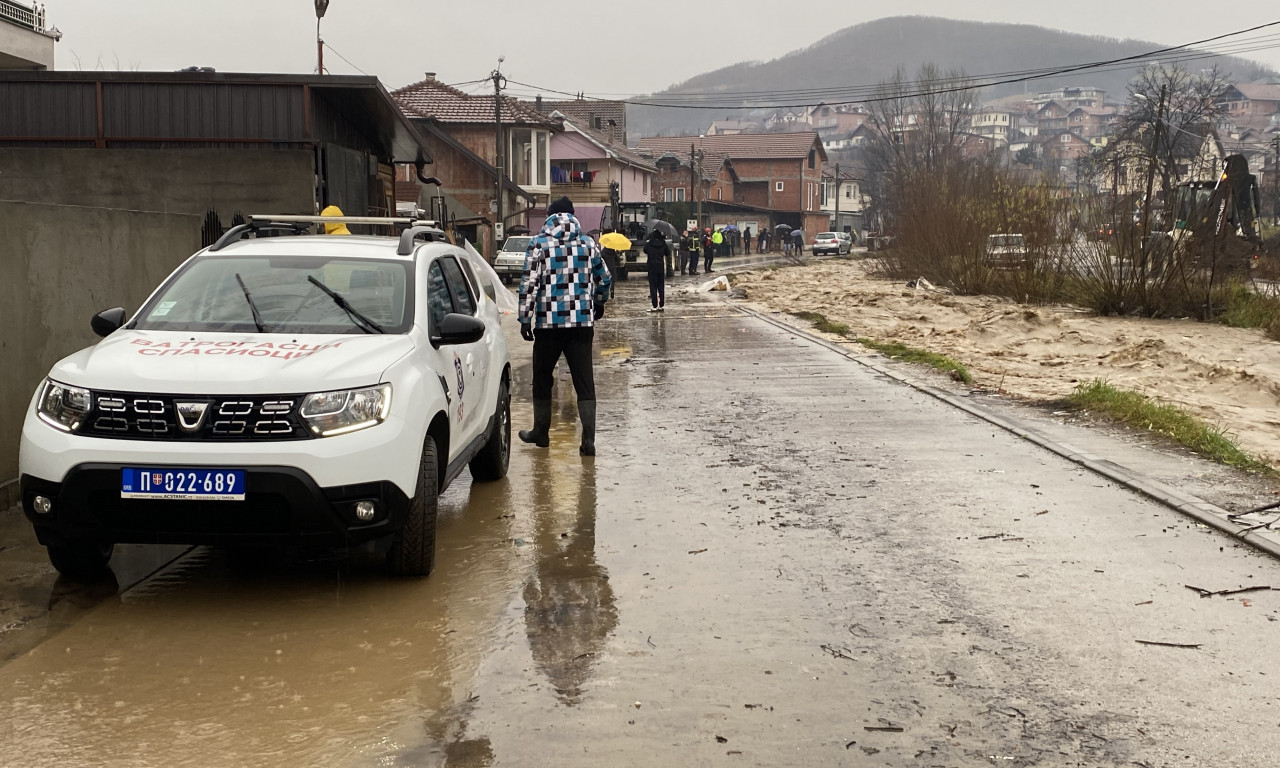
point(541, 425)
point(587, 415)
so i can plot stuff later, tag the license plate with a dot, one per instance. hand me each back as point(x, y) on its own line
point(182, 484)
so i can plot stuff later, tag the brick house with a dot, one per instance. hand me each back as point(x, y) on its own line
point(776, 177)
point(1249, 100)
point(460, 129)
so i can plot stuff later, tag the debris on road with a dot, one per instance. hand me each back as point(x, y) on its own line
point(1221, 592)
point(1168, 645)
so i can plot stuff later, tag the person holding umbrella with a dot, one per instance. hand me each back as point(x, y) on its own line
point(656, 253)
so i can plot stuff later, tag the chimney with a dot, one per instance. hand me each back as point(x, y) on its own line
point(538, 103)
point(431, 76)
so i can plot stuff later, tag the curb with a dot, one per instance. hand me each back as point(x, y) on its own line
point(1194, 507)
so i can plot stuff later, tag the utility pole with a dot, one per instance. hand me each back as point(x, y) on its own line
point(321, 7)
point(1151, 178)
point(1275, 181)
point(498, 83)
point(695, 159)
point(836, 226)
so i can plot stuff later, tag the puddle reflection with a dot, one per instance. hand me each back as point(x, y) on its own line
point(569, 604)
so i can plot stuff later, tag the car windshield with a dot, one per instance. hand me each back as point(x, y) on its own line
point(248, 294)
point(516, 245)
point(827, 235)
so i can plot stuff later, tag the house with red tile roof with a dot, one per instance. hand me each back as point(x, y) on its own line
point(774, 177)
point(461, 130)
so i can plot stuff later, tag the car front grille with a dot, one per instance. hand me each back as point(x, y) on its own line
point(136, 416)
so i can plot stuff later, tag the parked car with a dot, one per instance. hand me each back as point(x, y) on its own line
point(832, 242)
point(296, 390)
point(1006, 251)
point(509, 263)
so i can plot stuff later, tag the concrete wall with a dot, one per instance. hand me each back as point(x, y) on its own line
point(60, 265)
point(86, 229)
point(163, 180)
point(24, 48)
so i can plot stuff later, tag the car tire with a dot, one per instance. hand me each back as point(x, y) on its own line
point(413, 552)
point(492, 460)
point(80, 560)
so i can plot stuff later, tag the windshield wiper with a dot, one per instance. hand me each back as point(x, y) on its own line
point(361, 322)
point(257, 317)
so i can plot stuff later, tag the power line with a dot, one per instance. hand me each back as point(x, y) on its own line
point(721, 101)
point(344, 58)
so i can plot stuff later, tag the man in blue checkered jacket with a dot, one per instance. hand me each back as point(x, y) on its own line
point(562, 294)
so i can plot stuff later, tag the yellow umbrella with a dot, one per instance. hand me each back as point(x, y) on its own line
point(615, 240)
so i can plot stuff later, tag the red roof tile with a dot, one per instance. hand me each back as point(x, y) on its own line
point(433, 100)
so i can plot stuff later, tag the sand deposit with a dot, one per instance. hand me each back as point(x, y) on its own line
point(1229, 377)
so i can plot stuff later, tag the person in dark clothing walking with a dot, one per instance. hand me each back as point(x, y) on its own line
point(656, 253)
point(562, 294)
point(746, 241)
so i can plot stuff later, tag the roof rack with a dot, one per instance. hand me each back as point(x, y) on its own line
point(301, 225)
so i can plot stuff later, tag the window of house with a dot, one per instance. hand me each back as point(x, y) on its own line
point(646, 185)
point(528, 161)
point(680, 194)
point(719, 193)
point(777, 186)
point(668, 194)
point(813, 157)
point(542, 159)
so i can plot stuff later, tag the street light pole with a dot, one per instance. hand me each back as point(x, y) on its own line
point(321, 7)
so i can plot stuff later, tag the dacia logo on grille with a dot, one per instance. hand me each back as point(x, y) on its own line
point(191, 415)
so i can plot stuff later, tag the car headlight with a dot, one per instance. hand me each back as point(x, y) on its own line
point(347, 410)
point(62, 407)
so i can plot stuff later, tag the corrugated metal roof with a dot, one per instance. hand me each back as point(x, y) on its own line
point(202, 109)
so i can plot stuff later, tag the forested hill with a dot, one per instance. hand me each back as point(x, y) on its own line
point(867, 54)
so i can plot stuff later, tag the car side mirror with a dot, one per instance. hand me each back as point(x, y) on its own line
point(458, 329)
point(108, 321)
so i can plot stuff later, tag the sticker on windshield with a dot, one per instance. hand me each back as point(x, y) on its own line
point(163, 309)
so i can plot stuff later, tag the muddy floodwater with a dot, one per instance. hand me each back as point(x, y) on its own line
point(778, 558)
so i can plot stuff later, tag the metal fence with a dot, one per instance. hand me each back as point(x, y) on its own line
point(29, 17)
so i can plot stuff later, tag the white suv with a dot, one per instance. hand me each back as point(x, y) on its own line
point(316, 390)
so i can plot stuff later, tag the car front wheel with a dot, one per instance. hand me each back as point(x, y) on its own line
point(491, 462)
point(413, 553)
point(81, 560)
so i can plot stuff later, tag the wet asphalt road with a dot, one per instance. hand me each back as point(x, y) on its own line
point(779, 558)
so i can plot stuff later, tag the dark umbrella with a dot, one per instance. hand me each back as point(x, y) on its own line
point(782, 227)
point(664, 227)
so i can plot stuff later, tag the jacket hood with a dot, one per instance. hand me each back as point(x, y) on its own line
point(231, 364)
point(562, 227)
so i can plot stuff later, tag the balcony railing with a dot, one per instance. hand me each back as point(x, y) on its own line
point(24, 16)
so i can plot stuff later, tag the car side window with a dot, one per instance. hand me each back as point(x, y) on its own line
point(438, 302)
point(464, 302)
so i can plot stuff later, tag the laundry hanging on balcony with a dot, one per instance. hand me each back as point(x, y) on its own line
point(561, 176)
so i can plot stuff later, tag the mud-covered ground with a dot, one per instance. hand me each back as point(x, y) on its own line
point(779, 557)
point(1229, 377)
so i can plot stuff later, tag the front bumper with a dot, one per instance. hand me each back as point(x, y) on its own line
point(508, 269)
point(282, 506)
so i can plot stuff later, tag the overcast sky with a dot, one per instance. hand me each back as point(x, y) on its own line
point(596, 46)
